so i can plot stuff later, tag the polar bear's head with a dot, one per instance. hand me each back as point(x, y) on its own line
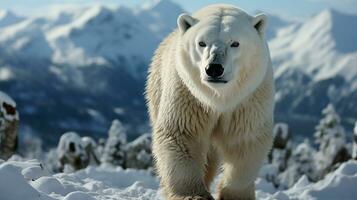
point(223, 54)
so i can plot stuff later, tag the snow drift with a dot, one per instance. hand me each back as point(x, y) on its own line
point(104, 182)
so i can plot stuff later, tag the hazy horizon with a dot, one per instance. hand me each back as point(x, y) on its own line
point(295, 9)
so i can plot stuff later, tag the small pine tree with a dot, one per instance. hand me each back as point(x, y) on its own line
point(9, 125)
point(354, 149)
point(281, 151)
point(71, 152)
point(114, 150)
point(300, 163)
point(101, 146)
point(90, 146)
point(139, 154)
point(331, 138)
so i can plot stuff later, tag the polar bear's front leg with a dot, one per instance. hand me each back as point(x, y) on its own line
point(180, 163)
point(241, 166)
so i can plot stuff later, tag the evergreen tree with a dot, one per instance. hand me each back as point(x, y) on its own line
point(281, 150)
point(71, 152)
point(90, 146)
point(300, 163)
point(114, 150)
point(139, 154)
point(331, 138)
point(9, 125)
point(354, 148)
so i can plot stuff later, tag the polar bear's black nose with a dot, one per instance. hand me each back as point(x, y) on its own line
point(214, 70)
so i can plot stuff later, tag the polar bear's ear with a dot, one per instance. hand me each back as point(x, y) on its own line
point(260, 23)
point(185, 21)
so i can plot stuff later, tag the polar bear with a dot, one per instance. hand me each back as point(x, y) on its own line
point(210, 96)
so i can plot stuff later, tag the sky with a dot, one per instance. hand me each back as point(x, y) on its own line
point(292, 8)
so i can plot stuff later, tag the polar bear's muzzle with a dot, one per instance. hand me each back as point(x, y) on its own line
point(214, 70)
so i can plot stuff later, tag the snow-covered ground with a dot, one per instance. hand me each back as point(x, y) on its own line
point(29, 180)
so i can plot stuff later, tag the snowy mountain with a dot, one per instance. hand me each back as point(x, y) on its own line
point(316, 64)
point(93, 36)
point(275, 23)
point(78, 69)
point(104, 37)
point(160, 17)
point(322, 47)
point(8, 18)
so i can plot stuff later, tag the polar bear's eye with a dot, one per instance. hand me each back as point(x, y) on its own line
point(235, 44)
point(202, 44)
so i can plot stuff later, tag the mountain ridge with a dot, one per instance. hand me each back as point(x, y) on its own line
point(315, 47)
point(78, 69)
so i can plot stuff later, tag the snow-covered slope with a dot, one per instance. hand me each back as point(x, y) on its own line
point(324, 46)
point(30, 180)
point(160, 16)
point(24, 40)
point(276, 23)
point(336, 185)
point(103, 36)
point(8, 18)
point(95, 35)
point(315, 65)
point(97, 54)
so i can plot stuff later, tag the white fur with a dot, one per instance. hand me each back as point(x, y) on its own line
point(196, 123)
point(221, 30)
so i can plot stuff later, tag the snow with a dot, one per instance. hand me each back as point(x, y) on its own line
point(330, 136)
point(138, 153)
point(78, 196)
point(25, 39)
point(8, 18)
point(14, 186)
point(93, 35)
point(115, 37)
point(105, 182)
point(5, 74)
point(66, 140)
point(98, 35)
point(94, 38)
point(320, 47)
point(7, 186)
point(73, 153)
point(114, 148)
point(117, 131)
point(99, 183)
point(49, 185)
point(281, 130)
point(354, 147)
point(337, 185)
point(33, 173)
point(160, 16)
point(6, 99)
